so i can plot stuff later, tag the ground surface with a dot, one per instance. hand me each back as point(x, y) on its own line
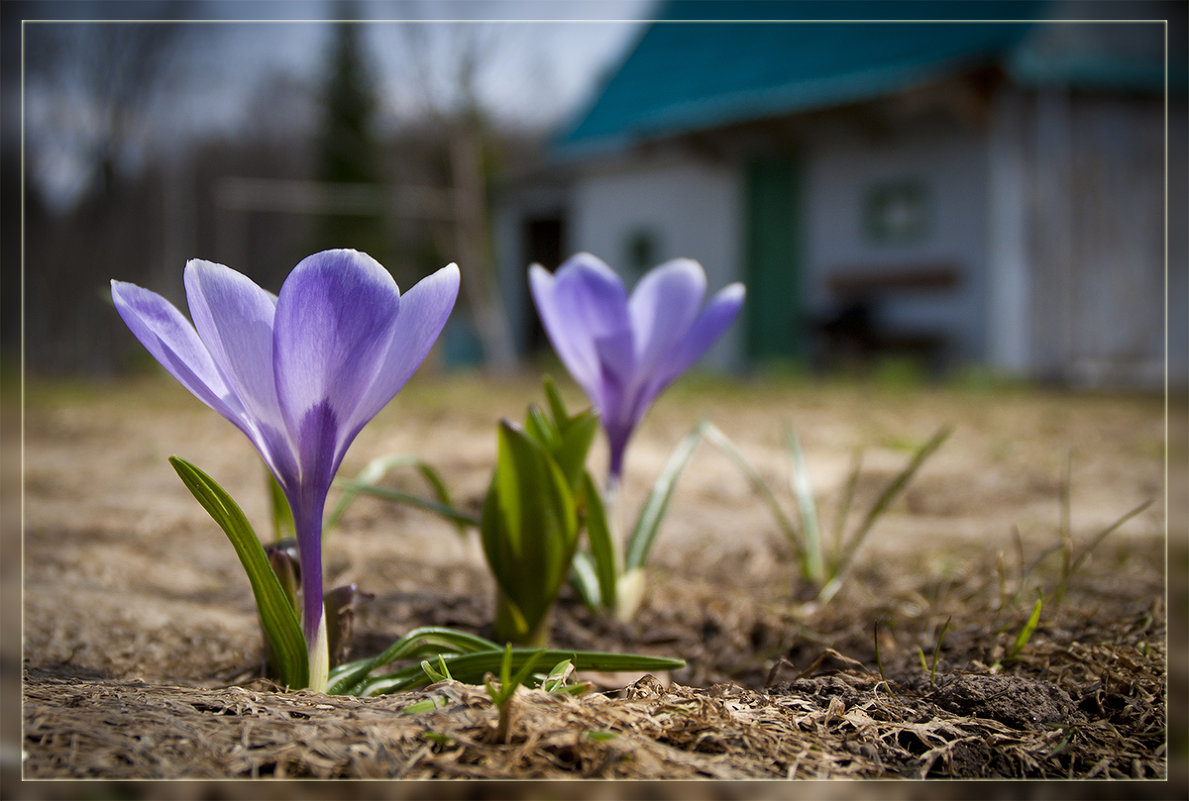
point(141, 647)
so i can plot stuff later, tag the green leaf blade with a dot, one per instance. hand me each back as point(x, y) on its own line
point(649, 521)
point(277, 617)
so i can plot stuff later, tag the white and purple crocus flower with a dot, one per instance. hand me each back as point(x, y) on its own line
point(300, 373)
point(623, 351)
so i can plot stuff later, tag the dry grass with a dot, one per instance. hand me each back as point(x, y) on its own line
point(141, 645)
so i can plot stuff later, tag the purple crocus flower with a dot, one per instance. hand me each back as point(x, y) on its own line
point(300, 373)
point(625, 350)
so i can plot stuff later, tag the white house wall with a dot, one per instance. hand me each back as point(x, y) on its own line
point(691, 208)
point(841, 167)
point(1095, 200)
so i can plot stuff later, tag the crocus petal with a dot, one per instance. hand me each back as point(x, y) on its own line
point(234, 317)
point(173, 342)
point(663, 306)
point(424, 310)
point(711, 324)
point(336, 316)
point(583, 308)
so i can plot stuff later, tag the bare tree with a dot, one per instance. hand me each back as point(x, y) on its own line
point(90, 86)
point(447, 58)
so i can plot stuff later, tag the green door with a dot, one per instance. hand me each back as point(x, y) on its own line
point(774, 305)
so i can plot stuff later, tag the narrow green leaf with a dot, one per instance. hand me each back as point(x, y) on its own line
point(555, 681)
point(649, 522)
point(584, 578)
point(1030, 626)
point(426, 705)
point(529, 527)
point(814, 563)
point(461, 519)
point(471, 668)
point(602, 543)
point(525, 670)
point(434, 675)
point(1100, 536)
point(282, 516)
point(845, 502)
point(574, 448)
point(280, 623)
point(758, 486)
point(538, 426)
point(557, 407)
point(889, 494)
point(600, 736)
point(377, 468)
point(424, 641)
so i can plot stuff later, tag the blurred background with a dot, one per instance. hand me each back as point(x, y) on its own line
point(984, 192)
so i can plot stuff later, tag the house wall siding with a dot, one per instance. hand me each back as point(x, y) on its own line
point(949, 162)
point(1095, 200)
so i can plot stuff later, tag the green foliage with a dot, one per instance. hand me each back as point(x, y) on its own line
point(282, 516)
point(605, 584)
point(468, 658)
point(529, 531)
point(1072, 557)
point(376, 469)
point(649, 521)
point(824, 571)
point(503, 694)
point(937, 651)
point(532, 516)
point(420, 642)
point(281, 627)
point(1026, 631)
point(471, 668)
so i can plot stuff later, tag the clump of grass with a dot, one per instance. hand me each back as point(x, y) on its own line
point(1072, 556)
point(824, 568)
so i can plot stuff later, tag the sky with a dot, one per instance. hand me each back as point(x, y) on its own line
point(541, 60)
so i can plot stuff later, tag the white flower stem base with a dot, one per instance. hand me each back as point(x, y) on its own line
point(629, 592)
point(320, 658)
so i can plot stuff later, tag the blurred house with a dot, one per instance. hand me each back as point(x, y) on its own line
point(979, 192)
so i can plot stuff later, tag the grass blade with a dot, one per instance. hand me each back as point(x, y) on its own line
point(813, 565)
point(424, 641)
point(280, 623)
point(845, 502)
point(889, 494)
point(471, 668)
point(585, 580)
point(602, 544)
point(282, 516)
point(377, 468)
point(461, 519)
point(1029, 627)
point(649, 522)
point(760, 487)
point(1100, 536)
point(1065, 525)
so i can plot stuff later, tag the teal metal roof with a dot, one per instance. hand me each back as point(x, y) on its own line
point(685, 75)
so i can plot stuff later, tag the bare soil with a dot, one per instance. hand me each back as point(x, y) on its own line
point(141, 651)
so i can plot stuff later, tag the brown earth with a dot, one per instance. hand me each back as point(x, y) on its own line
point(141, 649)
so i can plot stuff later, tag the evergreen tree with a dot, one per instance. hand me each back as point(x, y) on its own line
point(347, 151)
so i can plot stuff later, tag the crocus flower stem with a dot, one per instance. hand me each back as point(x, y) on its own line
point(308, 522)
point(299, 373)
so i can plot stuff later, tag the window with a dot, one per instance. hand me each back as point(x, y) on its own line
point(898, 212)
point(641, 251)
